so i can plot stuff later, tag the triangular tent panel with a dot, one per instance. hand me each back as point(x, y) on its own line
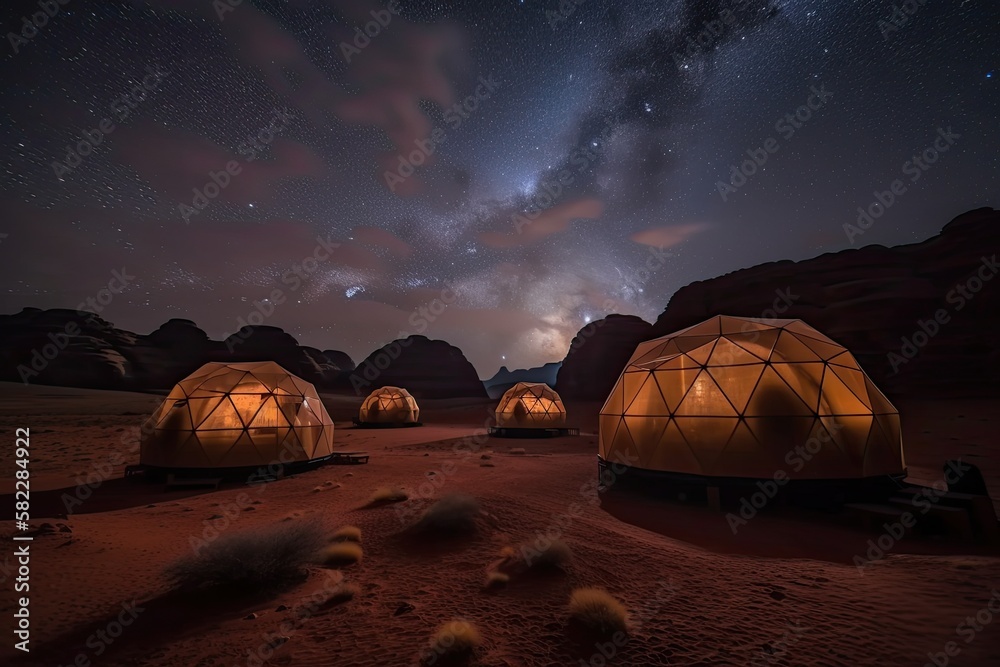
point(774, 395)
point(389, 405)
point(237, 415)
point(535, 405)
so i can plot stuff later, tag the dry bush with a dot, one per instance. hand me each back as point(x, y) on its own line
point(496, 579)
point(597, 610)
point(347, 534)
point(454, 514)
point(251, 559)
point(384, 495)
point(556, 556)
point(454, 639)
point(342, 593)
point(340, 554)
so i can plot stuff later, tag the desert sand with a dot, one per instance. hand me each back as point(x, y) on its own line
point(784, 591)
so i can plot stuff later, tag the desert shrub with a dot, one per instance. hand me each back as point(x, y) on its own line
point(556, 555)
point(340, 554)
point(597, 610)
point(385, 494)
point(347, 534)
point(342, 593)
point(454, 514)
point(453, 639)
point(496, 579)
point(250, 559)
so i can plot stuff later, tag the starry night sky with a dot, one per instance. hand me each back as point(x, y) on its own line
point(645, 122)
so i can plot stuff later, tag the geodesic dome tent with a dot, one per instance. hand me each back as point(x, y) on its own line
point(530, 405)
point(746, 398)
point(235, 415)
point(389, 405)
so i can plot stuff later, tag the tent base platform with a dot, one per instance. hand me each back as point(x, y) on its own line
point(732, 492)
point(348, 458)
point(358, 424)
point(511, 432)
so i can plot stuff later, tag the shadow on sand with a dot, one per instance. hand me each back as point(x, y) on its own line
point(145, 627)
point(776, 532)
point(112, 494)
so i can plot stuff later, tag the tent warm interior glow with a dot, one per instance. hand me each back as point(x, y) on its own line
point(235, 415)
point(389, 405)
point(734, 397)
point(530, 405)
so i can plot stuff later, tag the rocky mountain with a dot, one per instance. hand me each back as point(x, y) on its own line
point(424, 367)
point(597, 355)
point(504, 379)
point(921, 318)
point(76, 349)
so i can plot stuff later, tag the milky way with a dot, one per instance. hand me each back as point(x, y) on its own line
point(493, 174)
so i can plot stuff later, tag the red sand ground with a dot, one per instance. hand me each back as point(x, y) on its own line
point(698, 595)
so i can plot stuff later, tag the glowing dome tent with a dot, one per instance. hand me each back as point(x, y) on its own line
point(748, 398)
point(237, 415)
point(389, 406)
point(531, 405)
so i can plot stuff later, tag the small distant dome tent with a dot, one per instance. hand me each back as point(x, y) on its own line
point(389, 406)
point(237, 415)
point(736, 398)
point(528, 408)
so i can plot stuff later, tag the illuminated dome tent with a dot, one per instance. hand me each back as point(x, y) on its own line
point(748, 399)
point(389, 406)
point(530, 409)
point(239, 415)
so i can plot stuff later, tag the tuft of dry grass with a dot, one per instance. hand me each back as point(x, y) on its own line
point(454, 639)
point(598, 610)
point(454, 514)
point(251, 559)
point(384, 495)
point(518, 451)
point(557, 555)
point(496, 579)
point(340, 554)
point(347, 534)
point(342, 593)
